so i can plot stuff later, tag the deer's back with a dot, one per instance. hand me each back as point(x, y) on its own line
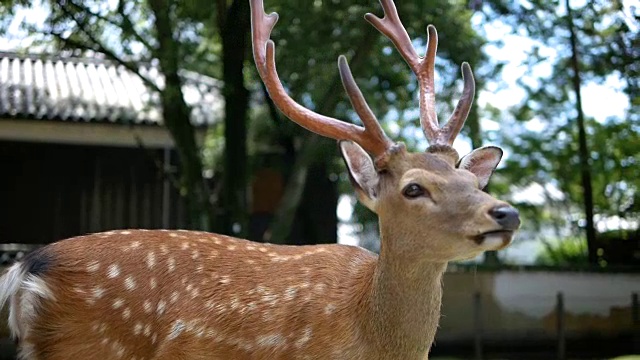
point(190, 295)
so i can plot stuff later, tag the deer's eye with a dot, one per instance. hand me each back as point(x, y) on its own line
point(413, 191)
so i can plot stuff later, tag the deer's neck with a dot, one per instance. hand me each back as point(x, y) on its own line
point(405, 300)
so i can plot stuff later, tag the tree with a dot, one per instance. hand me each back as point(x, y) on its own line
point(233, 24)
point(550, 137)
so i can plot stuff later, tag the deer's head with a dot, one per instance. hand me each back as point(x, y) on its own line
point(430, 204)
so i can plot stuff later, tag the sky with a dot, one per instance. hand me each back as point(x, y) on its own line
point(600, 101)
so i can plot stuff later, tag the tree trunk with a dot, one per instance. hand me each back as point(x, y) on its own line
point(585, 166)
point(316, 219)
point(176, 115)
point(235, 30)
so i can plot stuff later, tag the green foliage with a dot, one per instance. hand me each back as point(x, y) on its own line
point(540, 133)
point(563, 252)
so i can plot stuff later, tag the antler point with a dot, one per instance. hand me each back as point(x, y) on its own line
point(466, 70)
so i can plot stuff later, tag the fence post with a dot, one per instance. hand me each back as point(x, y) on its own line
point(635, 317)
point(560, 326)
point(477, 321)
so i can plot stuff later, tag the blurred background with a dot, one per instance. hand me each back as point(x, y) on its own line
point(150, 114)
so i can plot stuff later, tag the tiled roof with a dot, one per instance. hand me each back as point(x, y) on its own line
point(90, 90)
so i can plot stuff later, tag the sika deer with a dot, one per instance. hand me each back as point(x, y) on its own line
point(136, 294)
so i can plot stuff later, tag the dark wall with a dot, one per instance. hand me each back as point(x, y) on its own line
point(50, 192)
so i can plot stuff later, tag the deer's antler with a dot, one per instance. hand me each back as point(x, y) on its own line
point(371, 137)
point(391, 26)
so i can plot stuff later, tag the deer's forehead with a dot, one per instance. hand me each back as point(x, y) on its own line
point(428, 162)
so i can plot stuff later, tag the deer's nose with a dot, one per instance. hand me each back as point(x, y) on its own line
point(506, 216)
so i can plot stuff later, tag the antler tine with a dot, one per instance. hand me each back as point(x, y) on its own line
point(428, 115)
point(457, 119)
point(391, 26)
point(371, 137)
point(371, 124)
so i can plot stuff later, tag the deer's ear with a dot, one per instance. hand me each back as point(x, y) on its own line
point(482, 162)
point(362, 173)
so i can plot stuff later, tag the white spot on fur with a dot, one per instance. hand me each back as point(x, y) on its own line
point(151, 259)
point(102, 328)
point(173, 234)
point(172, 264)
point(118, 303)
point(177, 329)
point(329, 309)
point(290, 293)
point(195, 254)
point(271, 340)
point(137, 330)
point(135, 245)
point(235, 303)
point(174, 297)
point(161, 307)
point(319, 288)
point(251, 247)
point(231, 247)
point(120, 350)
point(184, 245)
point(270, 299)
point(97, 292)
point(225, 280)
point(147, 306)
point(129, 283)
point(262, 249)
point(93, 266)
point(164, 249)
point(195, 292)
point(126, 314)
point(153, 283)
point(125, 232)
point(154, 337)
point(113, 271)
point(306, 336)
point(147, 330)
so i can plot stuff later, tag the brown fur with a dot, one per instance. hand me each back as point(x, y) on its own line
point(236, 299)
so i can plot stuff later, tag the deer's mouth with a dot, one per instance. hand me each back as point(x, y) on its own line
point(495, 240)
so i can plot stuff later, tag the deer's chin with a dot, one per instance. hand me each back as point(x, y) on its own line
point(494, 240)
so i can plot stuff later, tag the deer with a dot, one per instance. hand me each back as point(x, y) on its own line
point(140, 294)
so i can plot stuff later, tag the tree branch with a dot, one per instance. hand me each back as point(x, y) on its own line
point(129, 26)
point(98, 46)
point(222, 14)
